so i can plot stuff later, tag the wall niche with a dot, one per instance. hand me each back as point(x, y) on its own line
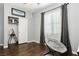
point(13, 30)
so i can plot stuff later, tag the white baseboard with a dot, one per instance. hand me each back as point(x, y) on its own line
point(74, 52)
point(5, 46)
point(1, 44)
point(33, 41)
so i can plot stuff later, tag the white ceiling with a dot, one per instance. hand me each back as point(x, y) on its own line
point(32, 6)
point(36, 6)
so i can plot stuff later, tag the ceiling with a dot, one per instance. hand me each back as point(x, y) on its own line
point(36, 6)
point(33, 6)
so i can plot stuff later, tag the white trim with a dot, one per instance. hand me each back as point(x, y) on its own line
point(1, 44)
point(78, 49)
point(5, 47)
point(33, 41)
point(74, 52)
point(30, 41)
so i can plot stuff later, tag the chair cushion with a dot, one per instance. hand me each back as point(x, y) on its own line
point(56, 45)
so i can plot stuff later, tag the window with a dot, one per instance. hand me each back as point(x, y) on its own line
point(52, 21)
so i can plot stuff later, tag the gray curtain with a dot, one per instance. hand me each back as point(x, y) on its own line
point(64, 33)
point(42, 37)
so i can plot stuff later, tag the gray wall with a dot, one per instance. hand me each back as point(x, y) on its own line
point(30, 29)
point(73, 19)
point(1, 24)
point(36, 26)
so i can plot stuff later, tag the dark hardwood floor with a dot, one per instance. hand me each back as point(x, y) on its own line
point(27, 49)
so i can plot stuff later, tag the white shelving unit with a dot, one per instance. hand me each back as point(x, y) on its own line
point(13, 26)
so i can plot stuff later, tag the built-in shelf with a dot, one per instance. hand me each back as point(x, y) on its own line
point(12, 20)
point(13, 23)
point(13, 29)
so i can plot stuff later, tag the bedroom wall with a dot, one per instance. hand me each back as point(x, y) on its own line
point(73, 21)
point(7, 12)
point(36, 21)
point(1, 24)
point(73, 17)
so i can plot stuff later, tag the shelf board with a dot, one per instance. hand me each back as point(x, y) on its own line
point(12, 23)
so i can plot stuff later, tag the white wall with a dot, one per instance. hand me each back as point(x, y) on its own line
point(73, 19)
point(7, 12)
point(30, 29)
point(1, 24)
point(36, 26)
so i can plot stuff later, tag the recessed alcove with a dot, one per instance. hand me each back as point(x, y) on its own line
point(12, 29)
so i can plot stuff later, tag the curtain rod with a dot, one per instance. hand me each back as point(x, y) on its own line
point(55, 8)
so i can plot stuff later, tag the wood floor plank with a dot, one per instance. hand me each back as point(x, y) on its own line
point(28, 49)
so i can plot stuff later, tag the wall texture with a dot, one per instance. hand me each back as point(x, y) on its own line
point(1, 24)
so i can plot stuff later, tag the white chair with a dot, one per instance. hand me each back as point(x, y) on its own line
point(55, 46)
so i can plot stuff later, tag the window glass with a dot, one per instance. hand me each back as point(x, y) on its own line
point(52, 22)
